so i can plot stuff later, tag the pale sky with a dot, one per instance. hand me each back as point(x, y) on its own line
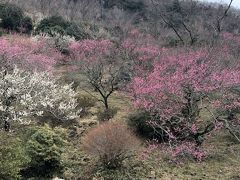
point(236, 3)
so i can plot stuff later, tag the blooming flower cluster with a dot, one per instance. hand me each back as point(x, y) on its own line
point(179, 83)
point(187, 149)
point(61, 42)
point(27, 53)
point(163, 89)
point(24, 94)
point(90, 50)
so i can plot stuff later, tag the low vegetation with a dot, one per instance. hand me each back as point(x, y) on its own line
point(112, 142)
point(13, 18)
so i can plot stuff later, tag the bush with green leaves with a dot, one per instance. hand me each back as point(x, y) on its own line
point(44, 148)
point(58, 25)
point(53, 24)
point(12, 156)
point(139, 121)
point(13, 18)
point(26, 25)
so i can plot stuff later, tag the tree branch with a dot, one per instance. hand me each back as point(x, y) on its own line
point(219, 21)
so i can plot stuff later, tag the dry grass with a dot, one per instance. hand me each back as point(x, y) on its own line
point(112, 142)
point(222, 162)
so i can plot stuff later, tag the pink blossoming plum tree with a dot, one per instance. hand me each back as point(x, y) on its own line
point(179, 87)
point(28, 54)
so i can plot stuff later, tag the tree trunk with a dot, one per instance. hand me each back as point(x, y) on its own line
point(106, 103)
point(6, 125)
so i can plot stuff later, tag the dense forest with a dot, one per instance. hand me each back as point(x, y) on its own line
point(119, 89)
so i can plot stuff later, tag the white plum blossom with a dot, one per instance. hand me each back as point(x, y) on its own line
point(24, 94)
point(57, 40)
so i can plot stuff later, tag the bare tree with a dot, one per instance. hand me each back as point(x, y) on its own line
point(104, 72)
point(105, 79)
point(222, 17)
point(177, 16)
point(83, 10)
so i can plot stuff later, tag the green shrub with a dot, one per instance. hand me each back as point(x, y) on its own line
point(13, 18)
point(57, 24)
point(45, 147)
point(52, 22)
point(12, 156)
point(139, 121)
point(27, 25)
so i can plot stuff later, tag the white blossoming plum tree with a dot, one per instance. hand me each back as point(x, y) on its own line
point(25, 94)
